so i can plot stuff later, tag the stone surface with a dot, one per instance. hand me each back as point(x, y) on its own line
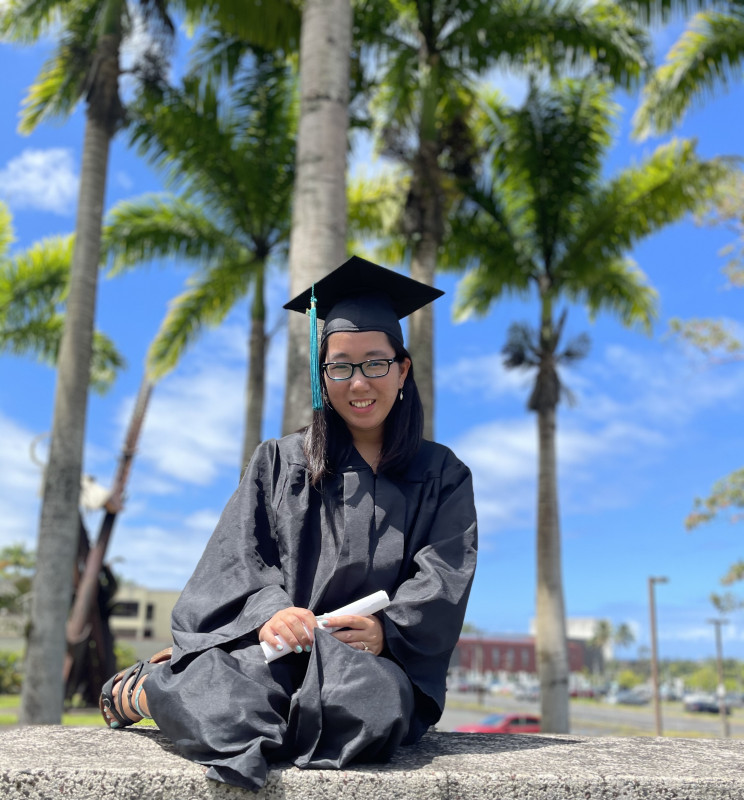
point(52, 762)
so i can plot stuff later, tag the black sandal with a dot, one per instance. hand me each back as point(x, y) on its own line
point(108, 702)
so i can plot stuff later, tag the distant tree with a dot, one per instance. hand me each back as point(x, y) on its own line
point(17, 565)
point(629, 679)
point(623, 635)
point(543, 220)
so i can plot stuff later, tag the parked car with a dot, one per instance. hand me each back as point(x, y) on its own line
point(703, 703)
point(530, 694)
point(628, 697)
point(504, 723)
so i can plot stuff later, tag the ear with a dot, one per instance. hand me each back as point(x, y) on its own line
point(404, 366)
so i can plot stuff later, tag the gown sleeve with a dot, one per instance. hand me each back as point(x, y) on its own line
point(238, 583)
point(425, 618)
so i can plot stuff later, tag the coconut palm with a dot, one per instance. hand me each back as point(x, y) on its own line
point(235, 171)
point(709, 55)
point(541, 221)
point(318, 238)
point(428, 55)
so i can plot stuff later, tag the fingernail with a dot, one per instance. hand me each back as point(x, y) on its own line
point(323, 622)
point(280, 647)
point(308, 648)
point(298, 649)
point(114, 724)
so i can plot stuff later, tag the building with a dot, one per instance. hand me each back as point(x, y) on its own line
point(499, 654)
point(141, 617)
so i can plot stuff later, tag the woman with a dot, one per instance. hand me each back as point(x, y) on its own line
point(354, 504)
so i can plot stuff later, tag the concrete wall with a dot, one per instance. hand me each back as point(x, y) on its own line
point(45, 763)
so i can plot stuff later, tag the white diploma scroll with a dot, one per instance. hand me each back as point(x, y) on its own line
point(363, 608)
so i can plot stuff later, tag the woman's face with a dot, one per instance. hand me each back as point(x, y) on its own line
point(364, 403)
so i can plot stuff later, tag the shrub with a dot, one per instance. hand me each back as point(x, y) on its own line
point(10, 673)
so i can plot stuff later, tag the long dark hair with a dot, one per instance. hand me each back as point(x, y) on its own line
point(328, 436)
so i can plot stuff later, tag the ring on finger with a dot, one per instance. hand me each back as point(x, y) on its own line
point(365, 647)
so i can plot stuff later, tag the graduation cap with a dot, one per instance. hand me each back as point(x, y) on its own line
point(359, 296)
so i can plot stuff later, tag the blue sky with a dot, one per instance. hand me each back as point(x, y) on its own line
point(653, 428)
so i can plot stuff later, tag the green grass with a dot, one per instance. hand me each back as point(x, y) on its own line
point(10, 704)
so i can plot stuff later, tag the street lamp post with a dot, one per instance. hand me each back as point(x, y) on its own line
point(654, 655)
point(721, 687)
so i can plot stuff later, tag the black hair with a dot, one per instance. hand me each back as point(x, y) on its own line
point(327, 437)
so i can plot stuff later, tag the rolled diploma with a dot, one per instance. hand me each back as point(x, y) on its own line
point(362, 607)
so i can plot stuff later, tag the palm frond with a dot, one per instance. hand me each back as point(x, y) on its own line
point(206, 302)
point(709, 54)
point(375, 204)
point(640, 200)
point(105, 364)
point(7, 237)
point(35, 281)
point(162, 227)
point(620, 288)
point(571, 36)
point(270, 26)
point(521, 349)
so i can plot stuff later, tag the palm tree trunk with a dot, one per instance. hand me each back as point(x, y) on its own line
point(552, 652)
point(255, 379)
point(43, 689)
point(318, 238)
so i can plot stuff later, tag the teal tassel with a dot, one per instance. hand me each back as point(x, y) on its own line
point(314, 358)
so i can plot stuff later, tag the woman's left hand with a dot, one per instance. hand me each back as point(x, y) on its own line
point(363, 633)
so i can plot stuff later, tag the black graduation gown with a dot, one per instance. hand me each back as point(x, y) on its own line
point(281, 543)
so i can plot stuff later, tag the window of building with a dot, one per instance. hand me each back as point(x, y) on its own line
point(510, 658)
point(125, 608)
point(495, 657)
point(525, 657)
point(150, 613)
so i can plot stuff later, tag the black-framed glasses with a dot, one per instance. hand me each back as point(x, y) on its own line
point(343, 370)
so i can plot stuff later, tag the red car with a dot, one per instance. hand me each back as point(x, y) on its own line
point(504, 723)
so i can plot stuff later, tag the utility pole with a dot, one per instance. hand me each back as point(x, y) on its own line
point(652, 581)
point(721, 687)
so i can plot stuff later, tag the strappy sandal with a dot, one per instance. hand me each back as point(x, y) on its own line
point(108, 702)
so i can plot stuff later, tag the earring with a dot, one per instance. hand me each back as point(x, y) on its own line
point(400, 396)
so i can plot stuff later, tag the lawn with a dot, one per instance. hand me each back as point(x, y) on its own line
point(10, 703)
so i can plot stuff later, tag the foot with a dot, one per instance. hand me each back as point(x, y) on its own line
point(124, 697)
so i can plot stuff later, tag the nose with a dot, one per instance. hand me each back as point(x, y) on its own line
point(358, 378)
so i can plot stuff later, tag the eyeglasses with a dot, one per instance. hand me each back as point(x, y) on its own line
point(343, 370)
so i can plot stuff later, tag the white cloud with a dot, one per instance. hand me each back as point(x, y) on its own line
point(20, 486)
point(484, 376)
point(45, 180)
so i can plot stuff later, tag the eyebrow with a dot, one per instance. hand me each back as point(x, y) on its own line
point(368, 354)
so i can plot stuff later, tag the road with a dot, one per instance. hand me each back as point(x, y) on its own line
point(595, 718)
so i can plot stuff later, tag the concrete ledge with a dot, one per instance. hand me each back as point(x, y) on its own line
point(93, 763)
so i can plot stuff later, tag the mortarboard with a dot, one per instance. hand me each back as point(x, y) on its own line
point(359, 296)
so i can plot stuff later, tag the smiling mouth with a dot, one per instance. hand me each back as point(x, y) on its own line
point(361, 403)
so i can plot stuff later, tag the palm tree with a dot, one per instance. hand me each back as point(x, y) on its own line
point(600, 639)
point(708, 55)
point(623, 636)
point(84, 66)
point(431, 54)
point(318, 238)
point(542, 221)
point(236, 171)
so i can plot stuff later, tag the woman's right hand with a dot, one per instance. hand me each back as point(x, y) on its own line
point(294, 625)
